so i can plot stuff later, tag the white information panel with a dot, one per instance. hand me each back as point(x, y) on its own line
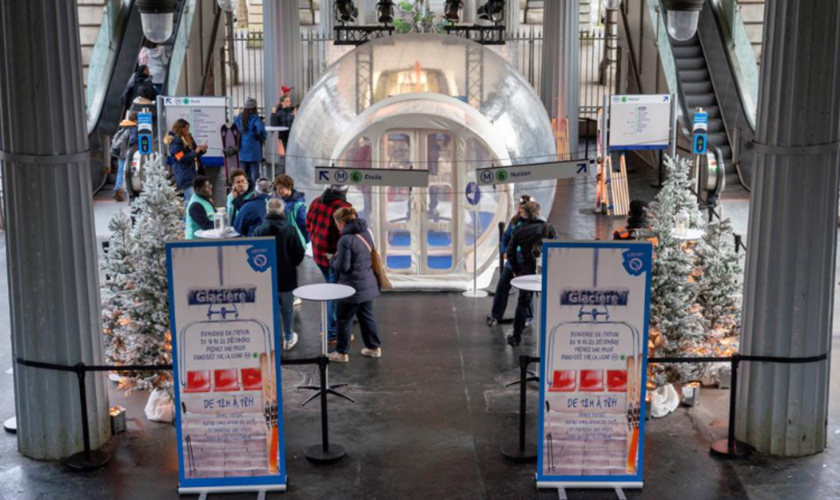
point(641, 121)
point(206, 115)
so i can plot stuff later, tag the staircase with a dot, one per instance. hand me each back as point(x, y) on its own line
point(752, 13)
point(696, 85)
point(91, 13)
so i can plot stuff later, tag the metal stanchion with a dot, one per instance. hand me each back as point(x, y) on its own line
point(324, 453)
point(88, 459)
point(522, 452)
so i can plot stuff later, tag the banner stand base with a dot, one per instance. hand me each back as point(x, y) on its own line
point(475, 294)
point(317, 454)
point(10, 425)
point(513, 452)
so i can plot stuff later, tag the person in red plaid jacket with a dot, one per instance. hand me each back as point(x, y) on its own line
point(324, 235)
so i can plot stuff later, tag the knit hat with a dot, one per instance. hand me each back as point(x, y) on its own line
point(263, 186)
point(250, 103)
point(342, 188)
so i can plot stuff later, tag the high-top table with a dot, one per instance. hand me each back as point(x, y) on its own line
point(323, 293)
point(532, 283)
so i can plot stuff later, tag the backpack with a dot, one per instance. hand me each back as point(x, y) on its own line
point(119, 144)
point(548, 232)
point(293, 217)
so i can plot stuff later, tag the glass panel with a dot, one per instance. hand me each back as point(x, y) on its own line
point(440, 160)
point(358, 155)
point(397, 202)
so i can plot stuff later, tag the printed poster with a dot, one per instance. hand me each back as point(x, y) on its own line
point(223, 309)
point(593, 341)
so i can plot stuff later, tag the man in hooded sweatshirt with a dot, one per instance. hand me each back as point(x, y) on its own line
point(253, 211)
point(324, 235)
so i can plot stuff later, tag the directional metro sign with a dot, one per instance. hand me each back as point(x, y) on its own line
point(533, 172)
point(372, 177)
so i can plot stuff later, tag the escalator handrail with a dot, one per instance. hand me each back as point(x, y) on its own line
point(214, 37)
point(750, 116)
point(626, 23)
point(100, 97)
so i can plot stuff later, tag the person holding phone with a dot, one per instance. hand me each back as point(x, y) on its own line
point(187, 156)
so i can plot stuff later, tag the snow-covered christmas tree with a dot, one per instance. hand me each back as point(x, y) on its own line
point(675, 326)
point(118, 270)
point(719, 278)
point(146, 337)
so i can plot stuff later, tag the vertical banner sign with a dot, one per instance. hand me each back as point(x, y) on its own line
point(223, 313)
point(594, 344)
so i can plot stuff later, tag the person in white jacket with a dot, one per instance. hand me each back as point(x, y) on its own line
point(155, 57)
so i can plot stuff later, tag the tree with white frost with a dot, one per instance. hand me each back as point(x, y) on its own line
point(675, 326)
point(118, 270)
point(159, 216)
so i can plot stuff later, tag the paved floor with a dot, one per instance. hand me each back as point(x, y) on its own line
point(429, 418)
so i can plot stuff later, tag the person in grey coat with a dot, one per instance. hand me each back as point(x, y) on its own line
point(353, 267)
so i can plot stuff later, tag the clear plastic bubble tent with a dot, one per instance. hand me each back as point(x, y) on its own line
point(429, 102)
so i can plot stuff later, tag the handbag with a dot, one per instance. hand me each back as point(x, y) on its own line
point(377, 265)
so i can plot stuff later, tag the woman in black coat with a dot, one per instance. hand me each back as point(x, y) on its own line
point(353, 266)
point(290, 253)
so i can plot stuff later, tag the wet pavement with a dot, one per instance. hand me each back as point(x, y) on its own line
point(430, 415)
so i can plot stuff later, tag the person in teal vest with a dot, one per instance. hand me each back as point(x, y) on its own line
point(200, 209)
point(241, 191)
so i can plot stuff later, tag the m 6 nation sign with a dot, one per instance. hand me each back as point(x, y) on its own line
point(533, 172)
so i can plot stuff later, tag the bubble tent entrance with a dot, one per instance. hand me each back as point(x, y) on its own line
point(425, 102)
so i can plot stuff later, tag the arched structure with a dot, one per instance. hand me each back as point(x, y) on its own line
point(429, 102)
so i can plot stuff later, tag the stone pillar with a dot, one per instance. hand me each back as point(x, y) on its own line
point(326, 21)
point(468, 12)
point(282, 57)
point(51, 240)
point(512, 12)
point(559, 85)
point(789, 283)
point(367, 12)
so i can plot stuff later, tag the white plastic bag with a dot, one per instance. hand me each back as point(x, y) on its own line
point(160, 407)
point(663, 401)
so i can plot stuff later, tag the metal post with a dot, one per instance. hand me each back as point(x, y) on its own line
point(87, 459)
point(521, 451)
point(324, 453)
point(730, 447)
point(501, 251)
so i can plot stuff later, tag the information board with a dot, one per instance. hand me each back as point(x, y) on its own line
point(593, 346)
point(206, 115)
point(225, 332)
point(640, 122)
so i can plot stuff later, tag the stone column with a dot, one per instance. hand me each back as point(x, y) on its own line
point(326, 21)
point(559, 88)
point(512, 12)
point(51, 241)
point(468, 12)
point(789, 288)
point(282, 58)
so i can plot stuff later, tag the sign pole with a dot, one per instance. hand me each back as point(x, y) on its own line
point(473, 196)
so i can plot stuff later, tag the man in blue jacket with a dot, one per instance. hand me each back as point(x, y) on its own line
point(253, 211)
point(284, 186)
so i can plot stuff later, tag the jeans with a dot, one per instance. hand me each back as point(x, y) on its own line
point(523, 306)
point(252, 169)
point(500, 298)
point(188, 192)
point(120, 174)
point(330, 277)
point(367, 323)
point(287, 314)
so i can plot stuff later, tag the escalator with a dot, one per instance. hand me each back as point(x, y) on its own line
point(706, 71)
point(121, 45)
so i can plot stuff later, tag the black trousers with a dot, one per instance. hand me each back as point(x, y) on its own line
point(344, 313)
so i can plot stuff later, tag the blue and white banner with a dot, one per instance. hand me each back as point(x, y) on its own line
point(594, 360)
point(224, 322)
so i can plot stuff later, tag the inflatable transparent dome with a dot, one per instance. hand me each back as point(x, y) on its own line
point(430, 102)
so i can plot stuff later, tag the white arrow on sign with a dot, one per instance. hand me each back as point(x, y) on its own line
point(372, 177)
point(533, 172)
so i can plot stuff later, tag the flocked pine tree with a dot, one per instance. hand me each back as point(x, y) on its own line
point(675, 327)
point(719, 278)
point(118, 270)
point(159, 216)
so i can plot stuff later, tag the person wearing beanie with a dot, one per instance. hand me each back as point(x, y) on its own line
point(252, 132)
point(324, 235)
point(636, 221)
point(500, 298)
point(252, 212)
point(283, 115)
point(123, 144)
